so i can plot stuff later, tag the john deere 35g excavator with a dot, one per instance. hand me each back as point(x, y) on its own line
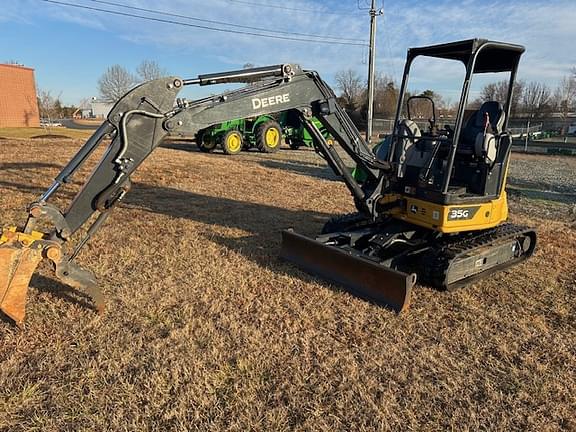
point(432, 207)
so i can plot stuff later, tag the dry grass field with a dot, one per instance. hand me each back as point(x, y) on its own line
point(43, 134)
point(207, 329)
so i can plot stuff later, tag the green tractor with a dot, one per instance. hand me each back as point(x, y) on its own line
point(263, 133)
point(295, 134)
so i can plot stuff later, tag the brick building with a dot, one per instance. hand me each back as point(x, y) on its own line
point(18, 102)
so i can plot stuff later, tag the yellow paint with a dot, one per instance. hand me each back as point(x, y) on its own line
point(435, 216)
point(25, 239)
point(234, 142)
point(272, 137)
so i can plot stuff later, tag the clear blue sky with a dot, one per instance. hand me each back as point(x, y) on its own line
point(70, 48)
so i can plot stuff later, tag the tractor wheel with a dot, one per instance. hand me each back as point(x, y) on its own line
point(231, 142)
point(269, 137)
point(205, 145)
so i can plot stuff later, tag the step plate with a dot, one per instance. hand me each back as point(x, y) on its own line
point(360, 276)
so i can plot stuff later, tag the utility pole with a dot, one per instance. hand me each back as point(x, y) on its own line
point(371, 67)
point(527, 136)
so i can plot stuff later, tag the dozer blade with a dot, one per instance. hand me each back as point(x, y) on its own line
point(360, 276)
point(17, 264)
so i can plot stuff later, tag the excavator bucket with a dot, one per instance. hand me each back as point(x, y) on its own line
point(17, 264)
point(20, 254)
point(362, 277)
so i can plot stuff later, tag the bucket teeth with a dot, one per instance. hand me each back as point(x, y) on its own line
point(17, 264)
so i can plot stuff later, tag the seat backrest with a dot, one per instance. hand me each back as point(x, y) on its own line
point(408, 134)
point(476, 124)
point(495, 115)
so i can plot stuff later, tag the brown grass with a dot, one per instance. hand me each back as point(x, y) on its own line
point(89, 122)
point(207, 329)
point(39, 133)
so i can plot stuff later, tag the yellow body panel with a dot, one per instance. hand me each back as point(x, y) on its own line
point(452, 218)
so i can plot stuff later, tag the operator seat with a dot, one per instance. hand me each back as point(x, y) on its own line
point(409, 133)
point(478, 140)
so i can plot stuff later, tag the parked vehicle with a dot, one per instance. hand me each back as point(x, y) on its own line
point(49, 123)
point(263, 133)
point(296, 135)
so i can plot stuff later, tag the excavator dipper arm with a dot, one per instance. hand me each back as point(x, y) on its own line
point(137, 124)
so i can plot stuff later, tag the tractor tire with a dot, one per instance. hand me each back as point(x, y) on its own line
point(269, 137)
point(232, 142)
point(204, 145)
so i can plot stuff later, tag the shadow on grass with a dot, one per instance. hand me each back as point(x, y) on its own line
point(255, 218)
point(57, 289)
point(299, 167)
point(20, 166)
point(62, 291)
point(27, 165)
point(35, 190)
point(306, 168)
point(187, 146)
point(264, 223)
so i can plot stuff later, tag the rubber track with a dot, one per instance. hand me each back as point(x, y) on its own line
point(437, 261)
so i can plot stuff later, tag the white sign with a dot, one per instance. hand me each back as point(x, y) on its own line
point(270, 101)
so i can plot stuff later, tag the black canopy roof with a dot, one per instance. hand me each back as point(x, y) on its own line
point(491, 56)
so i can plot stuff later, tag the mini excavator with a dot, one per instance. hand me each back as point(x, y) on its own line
point(432, 207)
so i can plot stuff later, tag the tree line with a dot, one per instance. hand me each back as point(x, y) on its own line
point(530, 100)
point(117, 80)
point(112, 85)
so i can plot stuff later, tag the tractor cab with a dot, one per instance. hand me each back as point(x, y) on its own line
point(465, 161)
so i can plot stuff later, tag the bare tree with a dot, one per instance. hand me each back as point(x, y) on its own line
point(498, 91)
point(149, 70)
point(385, 96)
point(351, 88)
point(565, 98)
point(115, 82)
point(536, 99)
point(48, 105)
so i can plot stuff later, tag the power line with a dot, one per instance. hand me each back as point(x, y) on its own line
point(221, 22)
point(167, 21)
point(252, 3)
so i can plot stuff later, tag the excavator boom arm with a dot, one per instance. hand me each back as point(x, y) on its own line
point(145, 116)
point(137, 124)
